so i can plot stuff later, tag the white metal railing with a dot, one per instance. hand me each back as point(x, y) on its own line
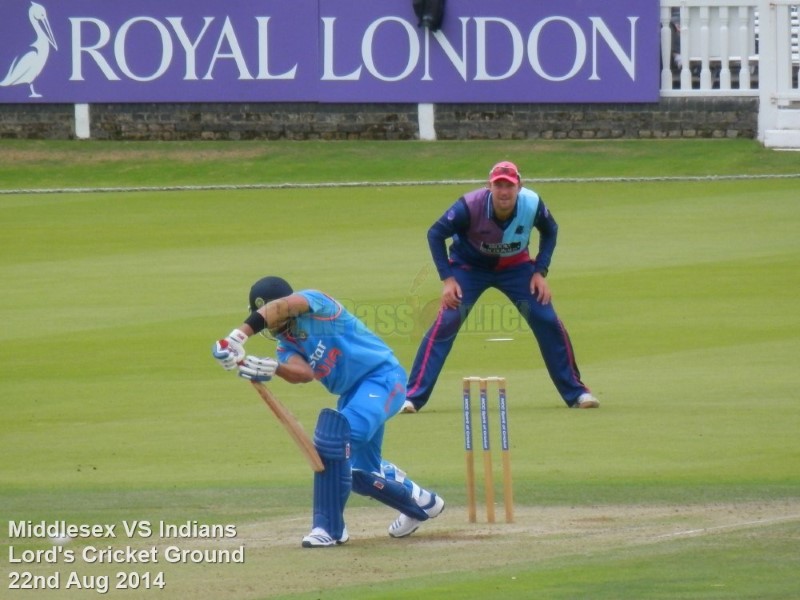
point(711, 47)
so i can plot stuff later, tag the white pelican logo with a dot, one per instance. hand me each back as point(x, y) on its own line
point(26, 68)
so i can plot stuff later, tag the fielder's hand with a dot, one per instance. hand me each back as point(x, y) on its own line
point(540, 289)
point(451, 294)
point(258, 369)
point(230, 351)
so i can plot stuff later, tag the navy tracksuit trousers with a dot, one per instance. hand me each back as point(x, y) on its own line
point(547, 328)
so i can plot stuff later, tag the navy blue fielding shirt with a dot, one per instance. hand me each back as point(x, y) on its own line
point(483, 242)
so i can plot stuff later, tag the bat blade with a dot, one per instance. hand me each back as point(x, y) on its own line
point(292, 425)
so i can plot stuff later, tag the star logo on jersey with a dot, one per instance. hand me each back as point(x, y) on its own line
point(520, 229)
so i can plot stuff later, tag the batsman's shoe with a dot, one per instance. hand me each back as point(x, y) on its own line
point(404, 525)
point(586, 401)
point(408, 407)
point(319, 538)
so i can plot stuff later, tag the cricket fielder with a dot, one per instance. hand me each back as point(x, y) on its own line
point(491, 229)
point(319, 339)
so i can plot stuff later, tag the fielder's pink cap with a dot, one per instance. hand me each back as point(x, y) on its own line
point(504, 170)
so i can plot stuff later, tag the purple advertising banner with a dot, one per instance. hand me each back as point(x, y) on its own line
point(92, 51)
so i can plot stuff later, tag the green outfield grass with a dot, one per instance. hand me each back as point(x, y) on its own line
point(33, 164)
point(680, 298)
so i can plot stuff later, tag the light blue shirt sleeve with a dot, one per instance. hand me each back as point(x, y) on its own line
point(340, 348)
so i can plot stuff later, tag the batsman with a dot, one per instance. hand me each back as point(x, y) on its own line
point(317, 338)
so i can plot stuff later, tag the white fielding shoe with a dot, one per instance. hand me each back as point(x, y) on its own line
point(319, 538)
point(404, 525)
point(408, 408)
point(586, 401)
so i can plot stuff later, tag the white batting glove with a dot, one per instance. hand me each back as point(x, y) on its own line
point(255, 368)
point(229, 352)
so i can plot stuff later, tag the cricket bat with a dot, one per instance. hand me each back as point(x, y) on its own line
point(292, 425)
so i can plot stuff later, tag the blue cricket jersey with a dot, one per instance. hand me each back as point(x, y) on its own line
point(337, 345)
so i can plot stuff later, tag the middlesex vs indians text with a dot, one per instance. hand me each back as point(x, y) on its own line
point(132, 550)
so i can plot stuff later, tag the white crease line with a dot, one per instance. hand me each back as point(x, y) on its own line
point(733, 525)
